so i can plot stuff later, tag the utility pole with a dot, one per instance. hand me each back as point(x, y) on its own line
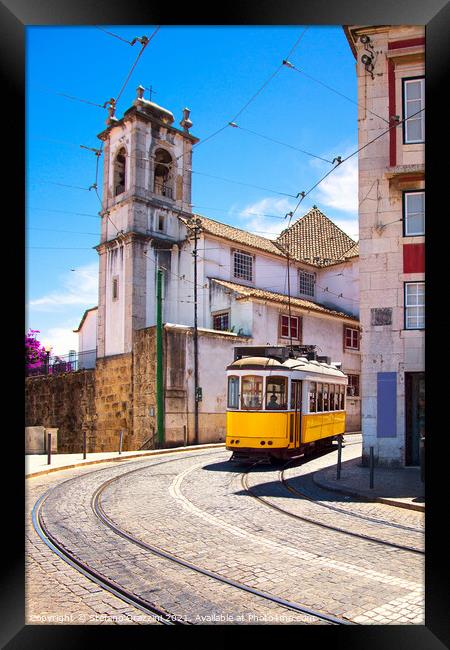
point(289, 289)
point(159, 361)
point(196, 226)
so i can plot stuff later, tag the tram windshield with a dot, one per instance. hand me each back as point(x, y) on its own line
point(276, 393)
point(252, 392)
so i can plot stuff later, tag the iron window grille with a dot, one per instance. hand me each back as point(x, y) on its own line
point(163, 190)
point(221, 321)
point(306, 283)
point(243, 266)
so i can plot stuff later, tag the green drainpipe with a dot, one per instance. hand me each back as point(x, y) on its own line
point(159, 362)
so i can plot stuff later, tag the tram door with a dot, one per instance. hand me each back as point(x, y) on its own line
point(296, 405)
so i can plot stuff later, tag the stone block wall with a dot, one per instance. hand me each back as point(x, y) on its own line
point(63, 401)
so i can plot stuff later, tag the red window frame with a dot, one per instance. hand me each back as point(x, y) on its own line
point(351, 338)
point(295, 327)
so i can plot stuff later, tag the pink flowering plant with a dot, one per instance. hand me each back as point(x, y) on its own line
point(35, 354)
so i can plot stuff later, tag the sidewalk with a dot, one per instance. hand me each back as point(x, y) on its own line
point(400, 487)
point(36, 464)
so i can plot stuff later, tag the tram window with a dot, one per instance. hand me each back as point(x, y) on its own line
point(337, 398)
point(319, 398)
point(312, 397)
point(325, 398)
point(276, 390)
point(252, 392)
point(233, 392)
point(332, 388)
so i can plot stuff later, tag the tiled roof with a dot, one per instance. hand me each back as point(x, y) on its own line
point(237, 235)
point(315, 239)
point(271, 296)
point(352, 252)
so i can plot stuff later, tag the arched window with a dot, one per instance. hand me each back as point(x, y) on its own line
point(119, 172)
point(162, 179)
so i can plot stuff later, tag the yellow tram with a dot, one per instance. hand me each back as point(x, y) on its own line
point(280, 404)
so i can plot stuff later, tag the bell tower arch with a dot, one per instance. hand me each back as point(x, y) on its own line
point(146, 187)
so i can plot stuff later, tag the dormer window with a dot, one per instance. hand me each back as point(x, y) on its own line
point(162, 177)
point(119, 172)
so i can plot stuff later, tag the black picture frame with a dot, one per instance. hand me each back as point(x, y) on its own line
point(14, 16)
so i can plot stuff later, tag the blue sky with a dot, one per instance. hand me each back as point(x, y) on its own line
point(214, 71)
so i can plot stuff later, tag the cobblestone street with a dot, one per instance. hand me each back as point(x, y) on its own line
point(263, 529)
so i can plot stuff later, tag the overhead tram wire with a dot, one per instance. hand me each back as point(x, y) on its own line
point(252, 98)
point(284, 144)
point(290, 65)
point(341, 161)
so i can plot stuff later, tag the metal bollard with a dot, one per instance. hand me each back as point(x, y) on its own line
point(120, 442)
point(84, 445)
point(49, 448)
point(371, 465)
point(339, 461)
point(185, 434)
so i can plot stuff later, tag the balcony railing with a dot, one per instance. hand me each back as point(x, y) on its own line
point(57, 365)
point(163, 190)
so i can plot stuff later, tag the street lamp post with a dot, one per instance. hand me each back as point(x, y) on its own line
point(47, 359)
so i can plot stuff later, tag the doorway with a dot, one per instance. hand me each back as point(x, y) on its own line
point(415, 415)
point(296, 406)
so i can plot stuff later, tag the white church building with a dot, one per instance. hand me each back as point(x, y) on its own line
point(242, 278)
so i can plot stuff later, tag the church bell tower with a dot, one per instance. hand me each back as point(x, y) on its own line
point(146, 187)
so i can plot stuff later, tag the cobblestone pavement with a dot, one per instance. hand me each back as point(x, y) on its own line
point(196, 507)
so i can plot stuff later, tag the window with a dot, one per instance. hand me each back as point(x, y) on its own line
point(353, 386)
point(162, 178)
point(119, 172)
point(414, 213)
point(312, 396)
point(243, 266)
point(221, 321)
point(276, 393)
point(295, 327)
point(115, 289)
point(160, 222)
point(319, 398)
point(233, 392)
point(306, 283)
point(252, 393)
point(337, 397)
point(351, 338)
point(413, 102)
point(332, 387)
point(414, 305)
point(342, 398)
point(325, 397)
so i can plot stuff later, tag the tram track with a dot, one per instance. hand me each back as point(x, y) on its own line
point(160, 552)
point(161, 615)
point(369, 538)
point(383, 522)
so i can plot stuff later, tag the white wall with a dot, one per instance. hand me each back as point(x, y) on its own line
point(87, 336)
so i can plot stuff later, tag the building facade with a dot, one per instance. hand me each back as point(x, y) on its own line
point(390, 70)
point(242, 278)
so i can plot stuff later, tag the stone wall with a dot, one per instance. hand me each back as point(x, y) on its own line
point(114, 403)
point(64, 401)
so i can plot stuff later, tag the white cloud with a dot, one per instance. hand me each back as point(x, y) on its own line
point(60, 339)
point(80, 288)
point(256, 221)
point(340, 189)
